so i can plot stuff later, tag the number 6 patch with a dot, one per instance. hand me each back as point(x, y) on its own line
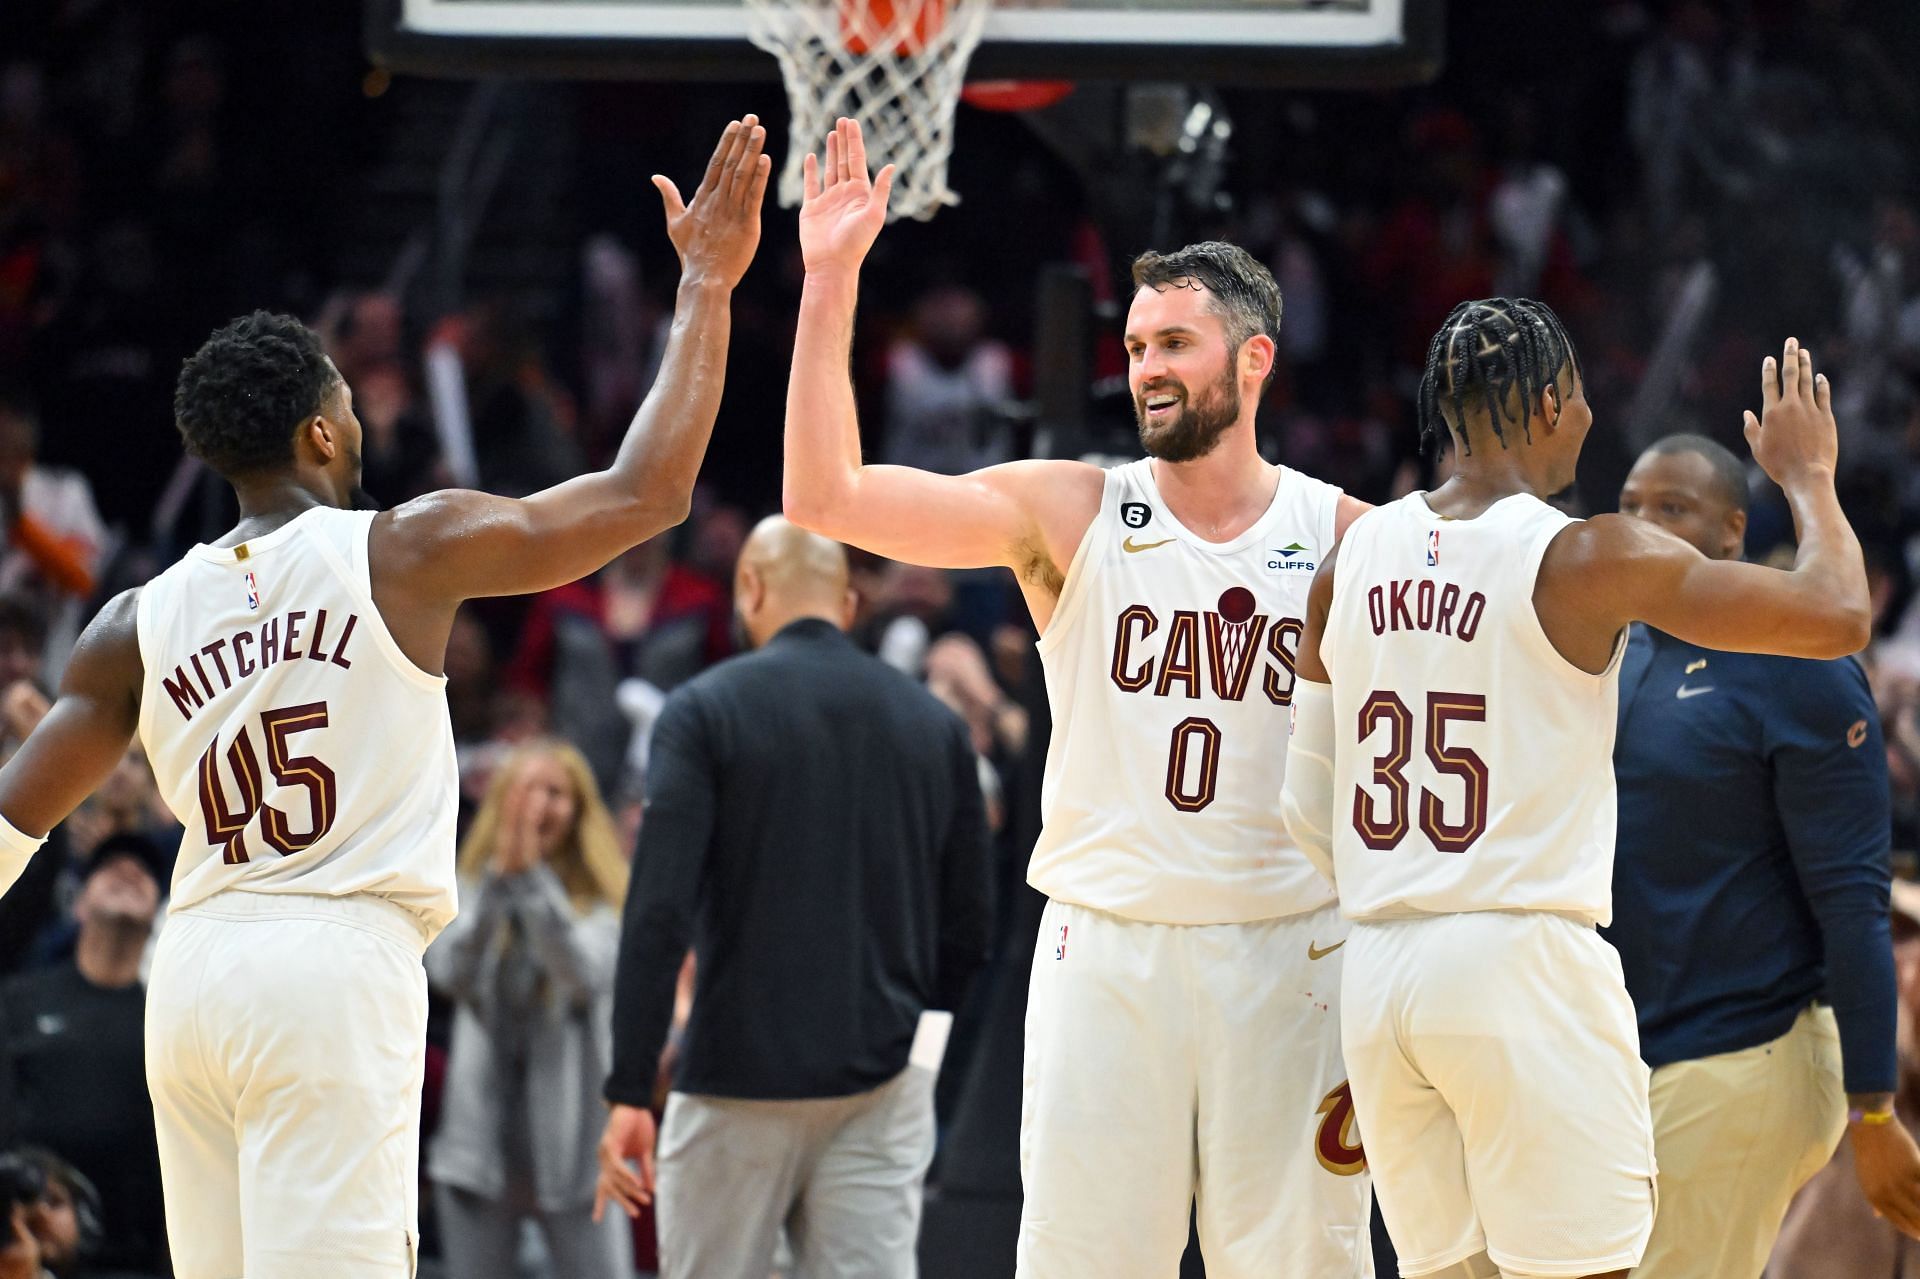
point(1135, 514)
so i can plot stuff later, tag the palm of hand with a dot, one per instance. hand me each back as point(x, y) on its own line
point(839, 223)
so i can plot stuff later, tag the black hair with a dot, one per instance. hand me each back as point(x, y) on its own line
point(242, 394)
point(1482, 353)
point(1245, 295)
point(1729, 475)
point(21, 615)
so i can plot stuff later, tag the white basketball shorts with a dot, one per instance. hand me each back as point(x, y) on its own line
point(1497, 1076)
point(1174, 1065)
point(286, 1048)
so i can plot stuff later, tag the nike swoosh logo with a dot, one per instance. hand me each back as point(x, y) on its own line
point(1132, 547)
point(1314, 952)
point(1683, 692)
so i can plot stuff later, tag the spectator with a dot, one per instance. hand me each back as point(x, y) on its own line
point(814, 829)
point(944, 385)
point(1752, 930)
point(643, 617)
point(68, 1225)
point(74, 1081)
point(53, 530)
point(529, 963)
point(22, 1200)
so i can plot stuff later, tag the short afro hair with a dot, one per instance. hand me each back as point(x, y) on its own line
point(1729, 474)
point(1245, 295)
point(242, 394)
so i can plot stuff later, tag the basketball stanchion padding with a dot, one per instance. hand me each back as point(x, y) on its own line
point(896, 66)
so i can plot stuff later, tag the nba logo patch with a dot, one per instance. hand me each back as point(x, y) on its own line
point(1433, 549)
point(253, 592)
point(1060, 951)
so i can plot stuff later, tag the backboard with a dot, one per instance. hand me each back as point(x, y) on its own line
point(1291, 43)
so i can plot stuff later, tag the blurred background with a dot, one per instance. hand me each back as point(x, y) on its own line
point(1687, 182)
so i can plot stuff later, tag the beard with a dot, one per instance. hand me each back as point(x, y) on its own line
point(1197, 424)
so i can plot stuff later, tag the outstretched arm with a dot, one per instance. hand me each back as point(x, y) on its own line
point(460, 544)
point(81, 740)
point(991, 517)
point(1613, 570)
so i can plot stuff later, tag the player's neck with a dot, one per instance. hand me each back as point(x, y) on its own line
point(1487, 475)
point(108, 955)
point(268, 501)
point(1221, 495)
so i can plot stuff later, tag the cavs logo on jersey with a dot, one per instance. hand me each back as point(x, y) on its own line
point(1334, 1142)
point(253, 592)
point(1219, 647)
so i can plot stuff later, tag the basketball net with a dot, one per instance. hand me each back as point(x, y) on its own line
point(896, 66)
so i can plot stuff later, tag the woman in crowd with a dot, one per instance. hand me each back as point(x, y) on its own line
point(529, 964)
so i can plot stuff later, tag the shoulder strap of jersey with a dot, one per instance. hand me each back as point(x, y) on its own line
point(1108, 524)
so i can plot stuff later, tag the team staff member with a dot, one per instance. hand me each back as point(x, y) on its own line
point(1750, 911)
point(815, 829)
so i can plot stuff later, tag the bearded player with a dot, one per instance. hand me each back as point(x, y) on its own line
point(285, 683)
point(1452, 763)
point(1182, 1024)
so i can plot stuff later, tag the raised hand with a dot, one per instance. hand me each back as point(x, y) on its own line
point(516, 841)
point(1795, 435)
point(717, 234)
point(841, 210)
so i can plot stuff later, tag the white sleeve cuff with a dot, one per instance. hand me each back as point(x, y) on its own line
point(1306, 796)
point(16, 850)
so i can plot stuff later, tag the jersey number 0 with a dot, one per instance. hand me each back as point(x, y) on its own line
point(226, 827)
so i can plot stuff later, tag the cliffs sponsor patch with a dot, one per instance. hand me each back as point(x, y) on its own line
point(1292, 558)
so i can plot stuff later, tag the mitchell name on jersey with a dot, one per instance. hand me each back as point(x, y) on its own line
point(285, 638)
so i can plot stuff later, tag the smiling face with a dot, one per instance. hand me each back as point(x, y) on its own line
point(1683, 493)
point(1184, 377)
point(550, 790)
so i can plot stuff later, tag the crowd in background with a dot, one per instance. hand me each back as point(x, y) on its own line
point(1686, 182)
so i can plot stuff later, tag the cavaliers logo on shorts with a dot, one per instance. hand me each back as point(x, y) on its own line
point(1334, 1143)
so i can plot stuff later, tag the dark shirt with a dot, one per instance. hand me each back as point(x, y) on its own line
point(1752, 870)
point(814, 827)
point(75, 1084)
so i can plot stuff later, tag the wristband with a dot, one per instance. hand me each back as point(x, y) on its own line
point(16, 850)
point(1871, 1118)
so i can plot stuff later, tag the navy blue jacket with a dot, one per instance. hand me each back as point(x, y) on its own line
point(815, 830)
point(1752, 871)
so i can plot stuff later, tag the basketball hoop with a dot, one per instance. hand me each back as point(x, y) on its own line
point(896, 66)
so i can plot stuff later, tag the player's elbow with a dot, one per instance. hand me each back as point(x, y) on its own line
point(662, 507)
point(1852, 629)
point(809, 507)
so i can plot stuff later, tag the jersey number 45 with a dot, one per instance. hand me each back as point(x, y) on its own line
point(227, 826)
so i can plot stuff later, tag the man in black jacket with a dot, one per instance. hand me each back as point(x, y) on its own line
point(814, 828)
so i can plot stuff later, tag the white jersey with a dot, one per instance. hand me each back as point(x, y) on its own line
point(1478, 761)
point(1169, 665)
point(300, 748)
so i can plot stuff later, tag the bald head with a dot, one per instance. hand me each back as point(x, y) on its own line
point(786, 573)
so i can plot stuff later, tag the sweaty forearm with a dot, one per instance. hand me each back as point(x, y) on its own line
point(660, 457)
point(823, 425)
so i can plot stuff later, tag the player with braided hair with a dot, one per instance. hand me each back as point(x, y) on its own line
point(1503, 345)
point(1451, 767)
